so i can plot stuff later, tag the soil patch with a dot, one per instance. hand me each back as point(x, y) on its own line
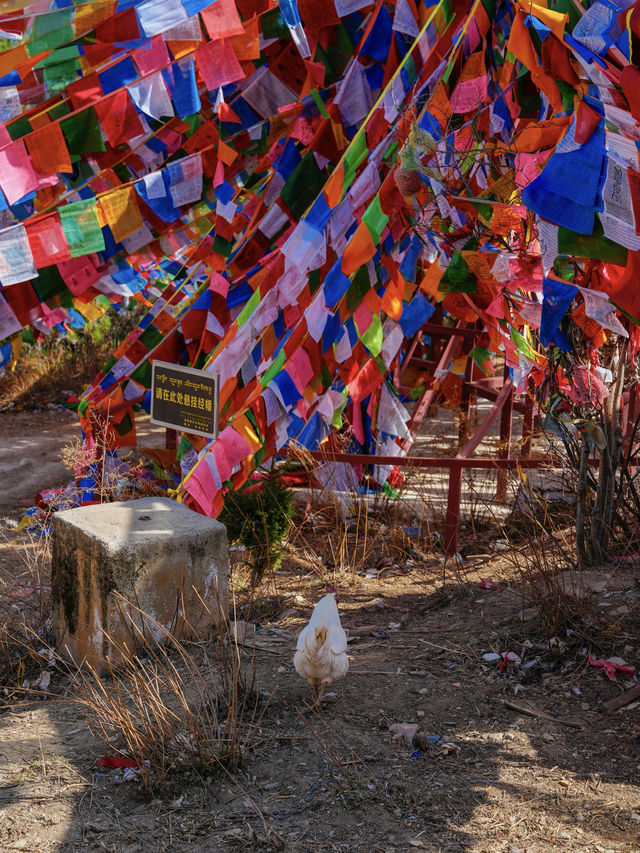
point(525, 759)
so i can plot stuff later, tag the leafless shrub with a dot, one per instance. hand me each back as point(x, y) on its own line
point(25, 596)
point(175, 707)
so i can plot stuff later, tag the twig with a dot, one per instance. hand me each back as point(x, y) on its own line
point(445, 649)
point(373, 672)
point(533, 712)
point(623, 699)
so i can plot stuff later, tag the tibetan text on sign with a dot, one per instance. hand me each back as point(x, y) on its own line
point(184, 399)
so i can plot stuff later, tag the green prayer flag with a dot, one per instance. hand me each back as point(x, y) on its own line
point(359, 286)
point(142, 374)
point(275, 368)
point(249, 308)
point(522, 345)
point(354, 155)
point(20, 127)
point(50, 31)
point(303, 185)
point(372, 338)
point(319, 103)
point(81, 227)
point(336, 420)
point(595, 246)
point(151, 337)
point(457, 278)
point(57, 77)
point(48, 283)
point(375, 220)
point(83, 133)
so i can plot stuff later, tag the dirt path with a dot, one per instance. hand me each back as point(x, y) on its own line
point(30, 453)
point(495, 779)
point(489, 777)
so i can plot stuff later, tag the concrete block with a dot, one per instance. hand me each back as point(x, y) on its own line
point(153, 552)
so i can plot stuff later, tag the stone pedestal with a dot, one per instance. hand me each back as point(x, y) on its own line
point(151, 551)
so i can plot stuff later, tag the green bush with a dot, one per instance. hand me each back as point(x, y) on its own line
point(258, 516)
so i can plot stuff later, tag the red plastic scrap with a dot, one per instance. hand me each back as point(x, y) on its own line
point(613, 665)
point(509, 661)
point(112, 762)
point(487, 583)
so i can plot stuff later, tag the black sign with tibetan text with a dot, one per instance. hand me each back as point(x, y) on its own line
point(184, 399)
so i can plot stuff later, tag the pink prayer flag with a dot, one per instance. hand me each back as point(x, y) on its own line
point(222, 463)
point(153, 58)
point(222, 19)
point(303, 371)
point(17, 175)
point(363, 318)
point(218, 284)
point(79, 273)
point(218, 64)
point(201, 487)
point(218, 177)
point(469, 95)
point(496, 307)
point(235, 447)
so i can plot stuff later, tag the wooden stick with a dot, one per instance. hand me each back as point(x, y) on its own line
point(623, 699)
point(373, 672)
point(533, 712)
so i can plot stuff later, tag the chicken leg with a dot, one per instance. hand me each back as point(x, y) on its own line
point(319, 695)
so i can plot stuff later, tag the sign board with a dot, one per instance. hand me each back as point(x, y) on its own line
point(185, 399)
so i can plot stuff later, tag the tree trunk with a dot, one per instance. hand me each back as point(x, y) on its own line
point(581, 507)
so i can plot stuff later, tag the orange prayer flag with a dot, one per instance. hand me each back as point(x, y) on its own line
point(48, 150)
point(474, 67)
point(88, 15)
point(360, 249)
point(556, 21)
point(520, 45)
point(225, 113)
point(197, 442)
point(183, 48)
point(120, 212)
point(243, 427)
point(392, 298)
point(372, 301)
point(218, 503)
point(41, 119)
point(247, 46)
point(226, 153)
point(439, 106)
point(333, 188)
point(409, 289)
point(10, 59)
point(431, 280)
point(228, 387)
point(164, 322)
point(542, 134)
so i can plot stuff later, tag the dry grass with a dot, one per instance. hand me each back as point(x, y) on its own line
point(49, 370)
point(25, 601)
point(180, 709)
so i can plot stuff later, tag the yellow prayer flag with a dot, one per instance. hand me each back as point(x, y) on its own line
point(120, 212)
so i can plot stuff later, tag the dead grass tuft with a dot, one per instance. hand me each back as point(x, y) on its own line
point(182, 710)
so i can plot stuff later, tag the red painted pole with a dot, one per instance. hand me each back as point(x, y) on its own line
point(452, 519)
point(527, 420)
point(506, 424)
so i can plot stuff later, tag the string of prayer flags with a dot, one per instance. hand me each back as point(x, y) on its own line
point(294, 191)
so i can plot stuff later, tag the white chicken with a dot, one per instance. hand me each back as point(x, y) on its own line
point(321, 653)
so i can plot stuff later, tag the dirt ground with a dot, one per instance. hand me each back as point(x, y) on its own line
point(521, 760)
